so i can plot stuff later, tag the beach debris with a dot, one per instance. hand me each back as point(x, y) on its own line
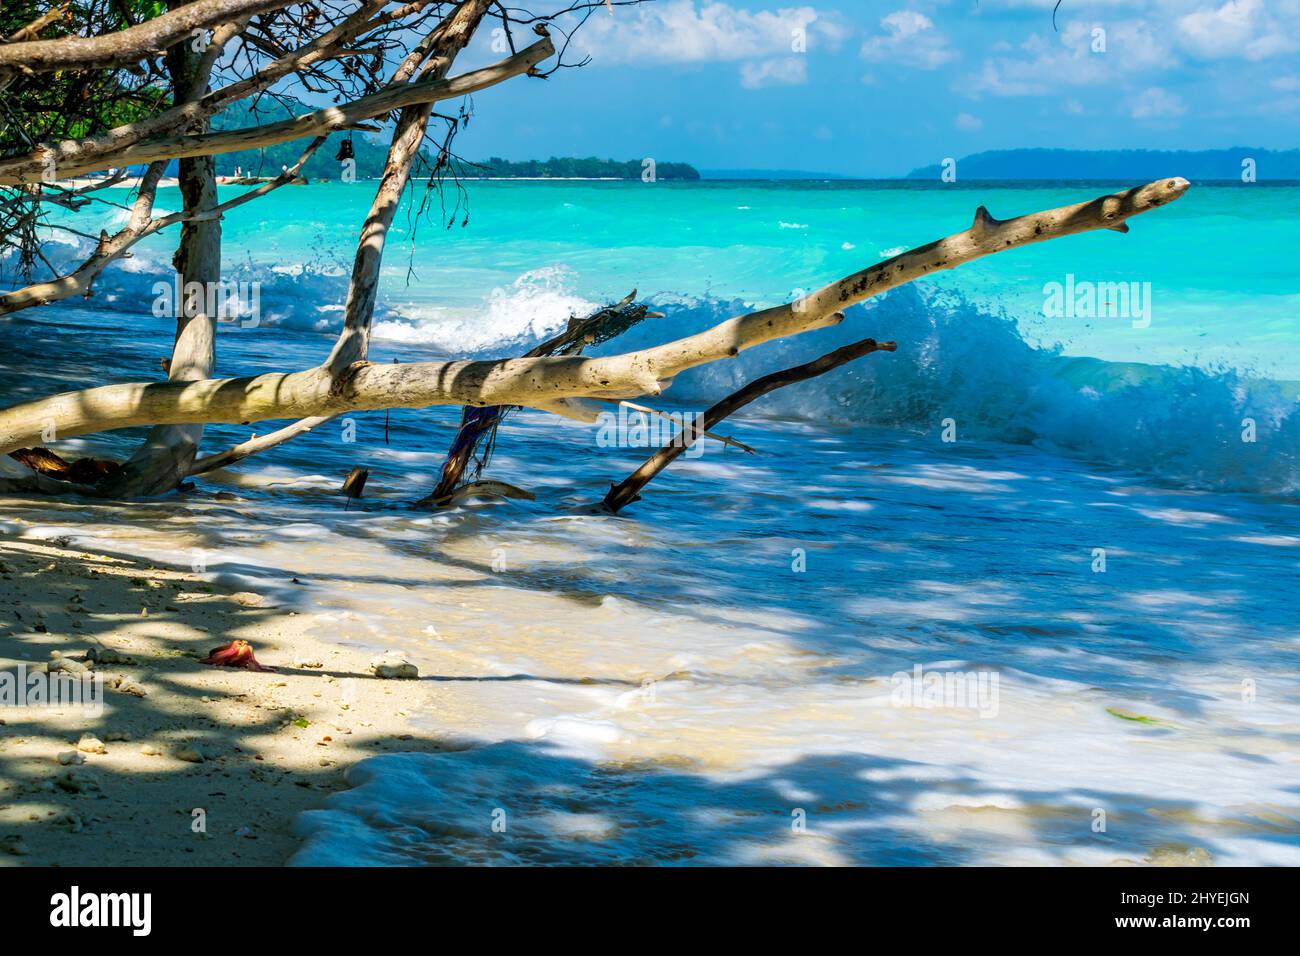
point(190, 754)
point(126, 686)
point(68, 819)
point(248, 599)
point(15, 845)
point(355, 483)
point(475, 442)
point(391, 667)
point(1136, 718)
point(235, 654)
point(90, 744)
point(487, 488)
point(106, 655)
point(312, 663)
point(68, 666)
point(82, 471)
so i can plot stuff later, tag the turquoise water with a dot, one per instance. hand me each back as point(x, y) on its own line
point(1224, 289)
point(673, 684)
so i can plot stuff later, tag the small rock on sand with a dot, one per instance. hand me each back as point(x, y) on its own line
point(394, 668)
point(127, 686)
point(189, 754)
point(70, 758)
point(90, 744)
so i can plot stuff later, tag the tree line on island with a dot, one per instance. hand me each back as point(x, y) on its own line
point(370, 155)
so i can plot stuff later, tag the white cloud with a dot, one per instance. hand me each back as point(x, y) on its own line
point(909, 39)
point(786, 71)
point(687, 31)
point(1245, 29)
point(1047, 62)
point(1156, 103)
point(970, 124)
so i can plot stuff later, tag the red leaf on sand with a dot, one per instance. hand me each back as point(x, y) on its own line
point(235, 654)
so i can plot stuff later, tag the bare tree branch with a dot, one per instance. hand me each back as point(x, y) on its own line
point(127, 46)
point(327, 120)
point(542, 382)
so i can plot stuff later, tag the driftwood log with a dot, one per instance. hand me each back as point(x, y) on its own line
point(549, 383)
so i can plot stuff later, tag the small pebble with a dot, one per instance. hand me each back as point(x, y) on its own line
point(394, 668)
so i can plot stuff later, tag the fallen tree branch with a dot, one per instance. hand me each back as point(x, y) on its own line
point(540, 382)
point(479, 425)
point(723, 439)
point(255, 445)
point(627, 491)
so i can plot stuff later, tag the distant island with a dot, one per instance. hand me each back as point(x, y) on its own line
point(370, 156)
point(568, 167)
point(1124, 164)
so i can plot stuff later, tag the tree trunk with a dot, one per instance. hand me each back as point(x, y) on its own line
point(164, 459)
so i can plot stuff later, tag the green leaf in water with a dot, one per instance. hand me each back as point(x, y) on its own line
point(1128, 715)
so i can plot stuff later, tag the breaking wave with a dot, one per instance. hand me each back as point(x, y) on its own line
point(956, 360)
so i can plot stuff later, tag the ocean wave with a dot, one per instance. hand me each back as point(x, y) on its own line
point(956, 360)
point(535, 306)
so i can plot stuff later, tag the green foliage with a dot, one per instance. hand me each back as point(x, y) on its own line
point(65, 105)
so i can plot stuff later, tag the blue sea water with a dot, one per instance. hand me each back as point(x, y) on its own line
point(685, 682)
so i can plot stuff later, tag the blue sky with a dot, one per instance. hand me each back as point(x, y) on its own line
point(877, 87)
